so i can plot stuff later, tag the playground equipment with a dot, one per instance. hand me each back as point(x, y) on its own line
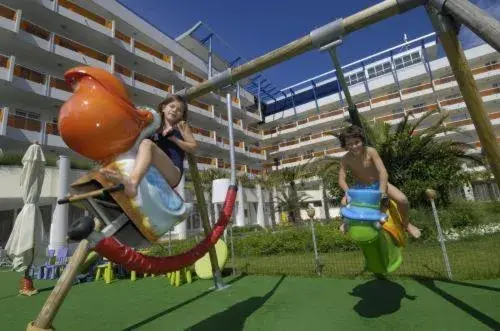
point(203, 268)
point(444, 14)
point(380, 235)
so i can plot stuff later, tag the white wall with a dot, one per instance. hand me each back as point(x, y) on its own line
point(10, 190)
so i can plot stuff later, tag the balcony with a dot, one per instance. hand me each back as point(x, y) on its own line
point(8, 18)
point(483, 73)
point(59, 89)
point(85, 17)
point(390, 101)
point(27, 129)
point(34, 34)
point(80, 53)
point(28, 79)
point(150, 85)
point(153, 55)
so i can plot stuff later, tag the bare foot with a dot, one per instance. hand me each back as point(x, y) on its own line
point(116, 177)
point(343, 228)
point(413, 230)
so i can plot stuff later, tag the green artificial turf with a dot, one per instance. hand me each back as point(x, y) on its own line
point(262, 303)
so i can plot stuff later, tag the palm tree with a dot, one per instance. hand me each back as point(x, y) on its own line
point(290, 176)
point(291, 202)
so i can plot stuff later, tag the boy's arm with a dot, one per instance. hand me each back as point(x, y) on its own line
point(342, 176)
point(382, 172)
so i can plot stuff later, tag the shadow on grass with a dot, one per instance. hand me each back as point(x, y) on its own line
point(235, 316)
point(180, 305)
point(480, 316)
point(379, 297)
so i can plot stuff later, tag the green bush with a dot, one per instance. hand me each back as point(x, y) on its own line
point(248, 228)
point(256, 241)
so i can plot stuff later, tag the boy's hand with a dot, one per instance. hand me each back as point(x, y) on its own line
point(384, 202)
point(343, 202)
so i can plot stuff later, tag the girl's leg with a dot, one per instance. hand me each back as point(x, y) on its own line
point(147, 155)
point(404, 209)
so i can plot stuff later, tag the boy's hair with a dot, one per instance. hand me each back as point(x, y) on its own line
point(350, 132)
point(171, 98)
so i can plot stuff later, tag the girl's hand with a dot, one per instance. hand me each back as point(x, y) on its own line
point(182, 125)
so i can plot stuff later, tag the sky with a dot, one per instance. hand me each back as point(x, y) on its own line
point(256, 27)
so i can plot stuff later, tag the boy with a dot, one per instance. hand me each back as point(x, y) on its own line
point(369, 173)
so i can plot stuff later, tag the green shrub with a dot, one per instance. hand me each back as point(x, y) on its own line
point(248, 228)
point(255, 241)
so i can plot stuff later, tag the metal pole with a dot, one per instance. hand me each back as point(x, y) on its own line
point(351, 106)
point(475, 18)
point(210, 57)
point(319, 266)
point(431, 195)
point(231, 138)
point(316, 38)
point(447, 33)
point(232, 162)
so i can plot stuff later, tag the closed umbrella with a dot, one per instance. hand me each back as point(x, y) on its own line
point(27, 242)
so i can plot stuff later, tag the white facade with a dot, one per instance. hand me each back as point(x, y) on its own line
point(41, 39)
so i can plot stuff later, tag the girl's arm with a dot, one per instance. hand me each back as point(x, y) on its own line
point(189, 144)
point(382, 172)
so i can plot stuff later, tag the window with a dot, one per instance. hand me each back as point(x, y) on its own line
point(355, 78)
point(407, 60)
point(491, 63)
point(419, 105)
point(27, 114)
point(379, 70)
point(496, 84)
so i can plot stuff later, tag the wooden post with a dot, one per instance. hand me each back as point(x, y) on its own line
point(447, 33)
point(56, 298)
point(202, 209)
point(475, 18)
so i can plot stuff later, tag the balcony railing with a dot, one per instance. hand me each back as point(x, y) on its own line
point(201, 105)
point(152, 51)
point(123, 70)
point(413, 111)
point(84, 12)
point(35, 30)
point(29, 74)
point(122, 36)
point(21, 122)
point(52, 128)
point(4, 61)
point(79, 48)
point(150, 81)
point(202, 132)
point(7, 13)
point(420, 87)
point(475, 71)
point(193, 76)
point(60, 84)
point(385, 97)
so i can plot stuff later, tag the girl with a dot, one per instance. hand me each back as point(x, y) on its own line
point(165, 149)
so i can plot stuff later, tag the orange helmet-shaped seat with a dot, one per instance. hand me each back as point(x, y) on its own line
point(99, 121)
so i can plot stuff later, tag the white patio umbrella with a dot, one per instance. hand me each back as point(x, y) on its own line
point(27, 242)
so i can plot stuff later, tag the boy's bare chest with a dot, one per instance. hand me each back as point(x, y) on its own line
point(360, 163)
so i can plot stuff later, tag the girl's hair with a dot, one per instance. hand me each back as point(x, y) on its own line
point(350, 132)
point(171, 98)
